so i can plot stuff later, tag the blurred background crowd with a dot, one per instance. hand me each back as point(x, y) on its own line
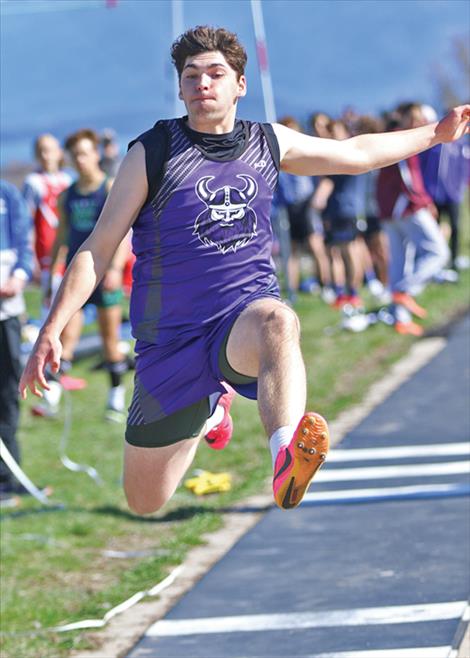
point(391, 230)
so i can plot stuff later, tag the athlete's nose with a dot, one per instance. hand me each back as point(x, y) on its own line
point(204, 82)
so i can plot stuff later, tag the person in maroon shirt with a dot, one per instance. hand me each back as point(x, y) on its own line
point(418, 250)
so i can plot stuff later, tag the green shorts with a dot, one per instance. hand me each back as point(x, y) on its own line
point(106, 298)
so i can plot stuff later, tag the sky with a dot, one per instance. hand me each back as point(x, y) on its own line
point(66, 64)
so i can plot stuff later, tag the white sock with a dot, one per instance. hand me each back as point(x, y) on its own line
point(216, 418)
point(281, 438)
point(116, 397)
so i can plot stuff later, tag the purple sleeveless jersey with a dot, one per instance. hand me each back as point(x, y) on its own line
point(203, 252)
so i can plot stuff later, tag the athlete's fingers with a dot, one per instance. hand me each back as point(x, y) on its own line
point(55, 365)
point(22, 389)
point(35, 390)
point(41, 379)
point(33, 374)
point(55, 354)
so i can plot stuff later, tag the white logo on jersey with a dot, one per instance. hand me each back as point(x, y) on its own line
point(227, 222)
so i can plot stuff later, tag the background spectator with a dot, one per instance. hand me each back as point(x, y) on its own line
point(446, 171)
point(41, 190)
point(418, 250)
point(16, 265)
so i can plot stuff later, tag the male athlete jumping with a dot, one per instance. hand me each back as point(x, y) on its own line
point(205, 305)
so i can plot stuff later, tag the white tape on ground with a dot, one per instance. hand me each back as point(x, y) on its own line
point(20, 475)
point(125, 605)
point(64, 441)
point(99, 623)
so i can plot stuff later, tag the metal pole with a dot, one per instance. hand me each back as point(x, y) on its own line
point(177, 29)
point(262, 54)
point(281, 221)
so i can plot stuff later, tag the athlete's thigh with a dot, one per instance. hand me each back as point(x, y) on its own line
point(248, 334)
point(152, 474)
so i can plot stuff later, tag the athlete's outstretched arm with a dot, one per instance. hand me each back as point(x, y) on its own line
point(94, 257)
point(309, 156)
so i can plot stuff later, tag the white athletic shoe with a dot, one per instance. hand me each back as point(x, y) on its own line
point(375, 287)
point(328, 295)
point(446, 276)
point(49, 406)
point(115, 408)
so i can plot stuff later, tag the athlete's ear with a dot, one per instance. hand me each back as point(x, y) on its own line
point(242, 86)
point(180, 95)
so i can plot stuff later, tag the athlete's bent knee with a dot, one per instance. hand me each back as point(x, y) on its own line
point(145, 504)
point(281, 324)
point(145, 500)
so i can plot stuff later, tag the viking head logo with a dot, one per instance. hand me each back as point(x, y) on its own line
point(227, 222)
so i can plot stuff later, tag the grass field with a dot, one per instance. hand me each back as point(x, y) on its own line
point(54, 566)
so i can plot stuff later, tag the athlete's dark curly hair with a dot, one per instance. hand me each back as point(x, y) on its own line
point(202, 39)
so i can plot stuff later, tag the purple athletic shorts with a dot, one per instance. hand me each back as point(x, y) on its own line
point(173, 377)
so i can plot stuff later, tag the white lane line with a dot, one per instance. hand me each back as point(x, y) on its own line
point(400, 614)
point(352, 495)
point(400, 452)
point(398, 471)
point(417, 652)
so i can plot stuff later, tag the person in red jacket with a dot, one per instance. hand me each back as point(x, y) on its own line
point(41, 190)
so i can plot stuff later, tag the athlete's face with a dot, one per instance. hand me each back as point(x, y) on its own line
point(85, 157)
point(48, 153)
point(210, 89)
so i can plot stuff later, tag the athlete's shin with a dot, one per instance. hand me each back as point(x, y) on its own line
point(282, 377)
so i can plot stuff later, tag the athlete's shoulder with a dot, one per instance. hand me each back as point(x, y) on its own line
point(154, 135)
point(156, 143)
point(272, 141)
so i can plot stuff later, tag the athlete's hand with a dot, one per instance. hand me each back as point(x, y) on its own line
point(454, 125)
point(112, 280)
point(47, 349)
